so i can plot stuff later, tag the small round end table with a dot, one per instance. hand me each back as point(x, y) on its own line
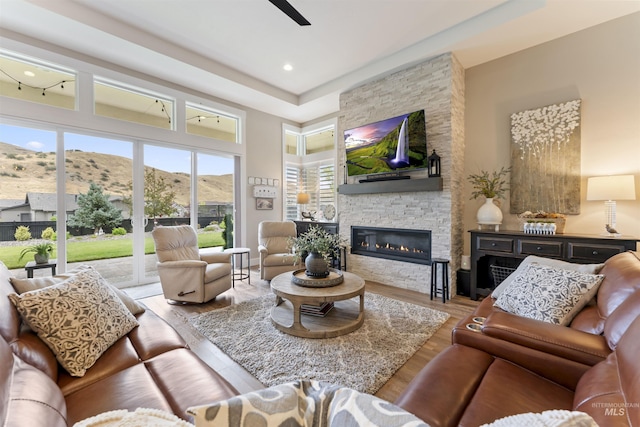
point(239, 252)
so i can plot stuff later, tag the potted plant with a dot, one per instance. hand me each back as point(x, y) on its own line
point(492, 186)
point(41, 252)
point(317, 246)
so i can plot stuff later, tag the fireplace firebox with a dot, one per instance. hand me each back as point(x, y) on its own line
point(392, 243)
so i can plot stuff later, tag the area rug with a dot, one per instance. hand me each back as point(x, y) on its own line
point(363, 360)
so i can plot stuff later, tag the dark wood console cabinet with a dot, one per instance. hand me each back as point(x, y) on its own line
point(509, 248)
point(303, 226)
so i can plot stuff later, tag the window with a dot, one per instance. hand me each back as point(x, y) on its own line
point(122, 102)
point(71, 153)
point(319, 141)
point(211, 124)
point(36, 81)
point(292, 179)
point(309, 168)
point(291, 143)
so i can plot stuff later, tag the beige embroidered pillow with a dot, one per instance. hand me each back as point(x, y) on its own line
point(549, 294)
point(78, 319)
point(549, 262)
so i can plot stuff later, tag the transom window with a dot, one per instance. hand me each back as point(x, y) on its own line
point(211, 124)
point(32, 80)
point(124, 102)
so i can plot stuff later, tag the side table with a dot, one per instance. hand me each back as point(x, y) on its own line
point(31, 265)
point(239, 252)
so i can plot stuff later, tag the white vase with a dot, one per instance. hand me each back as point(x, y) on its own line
point(489, 213)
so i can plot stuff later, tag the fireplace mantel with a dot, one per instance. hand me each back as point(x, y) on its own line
point(393, 186)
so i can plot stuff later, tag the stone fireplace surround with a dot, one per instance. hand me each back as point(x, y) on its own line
point(437, 86)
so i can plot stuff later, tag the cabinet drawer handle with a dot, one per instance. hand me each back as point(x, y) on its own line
point(539, 248)
point(493, 244)
point(595, 253)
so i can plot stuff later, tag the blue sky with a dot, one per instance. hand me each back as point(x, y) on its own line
point(167, 159)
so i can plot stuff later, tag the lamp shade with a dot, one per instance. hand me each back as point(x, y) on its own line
point(619, 187)
point(302, 198)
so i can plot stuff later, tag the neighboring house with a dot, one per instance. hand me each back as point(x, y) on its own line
point(37, 207)
point(8, 203)
point(214, 208)
point(42, 207)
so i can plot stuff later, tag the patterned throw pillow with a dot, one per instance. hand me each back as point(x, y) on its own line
point(26, 285)
point(549, 294)
point(549, 262)
point(79, 319)
point(304, 403)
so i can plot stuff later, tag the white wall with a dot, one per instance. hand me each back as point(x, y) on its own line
point(601, 66)
point(264, 159)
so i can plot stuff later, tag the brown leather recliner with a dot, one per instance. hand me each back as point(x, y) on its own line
point(188, 274)
point(469, 387)
point(590, 337)
point(515, 365)
point(275, 256)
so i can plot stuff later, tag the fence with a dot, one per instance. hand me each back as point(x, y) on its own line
point(8, 229)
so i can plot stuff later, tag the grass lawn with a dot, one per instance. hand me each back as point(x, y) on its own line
point(87, 250)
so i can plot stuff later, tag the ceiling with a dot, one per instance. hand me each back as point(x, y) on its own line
point(236, 49)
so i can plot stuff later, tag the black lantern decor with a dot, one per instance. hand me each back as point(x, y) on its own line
point(434, 164)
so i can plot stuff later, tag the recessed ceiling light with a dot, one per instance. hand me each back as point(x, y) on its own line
point(288, 67)
point(29, 74)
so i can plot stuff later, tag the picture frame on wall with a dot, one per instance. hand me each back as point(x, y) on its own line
point(264, 204)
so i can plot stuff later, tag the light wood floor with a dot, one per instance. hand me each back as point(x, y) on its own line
point(177, 316)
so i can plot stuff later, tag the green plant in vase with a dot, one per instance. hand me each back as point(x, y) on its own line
point(492, 186)
point(41, 251)
point(317, 246)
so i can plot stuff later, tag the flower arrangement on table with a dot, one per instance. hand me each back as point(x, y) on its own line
point(316, 240)
point(491, 186)
point(317, 246)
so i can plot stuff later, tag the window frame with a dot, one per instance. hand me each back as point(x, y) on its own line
point(304, 166)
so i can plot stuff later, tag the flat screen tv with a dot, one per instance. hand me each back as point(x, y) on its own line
point(394, 145)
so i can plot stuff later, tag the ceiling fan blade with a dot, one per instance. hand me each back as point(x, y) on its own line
point(290, 11)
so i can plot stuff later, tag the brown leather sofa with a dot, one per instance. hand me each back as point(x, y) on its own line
point(516, 365)
point(150, 367)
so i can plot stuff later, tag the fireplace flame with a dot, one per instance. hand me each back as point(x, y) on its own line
point(390, 247)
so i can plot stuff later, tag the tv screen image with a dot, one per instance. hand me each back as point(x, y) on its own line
point(398, 144)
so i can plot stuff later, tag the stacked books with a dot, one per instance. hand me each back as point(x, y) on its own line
point(316, 310)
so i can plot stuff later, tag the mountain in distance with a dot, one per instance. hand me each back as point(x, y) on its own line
point(23, 171)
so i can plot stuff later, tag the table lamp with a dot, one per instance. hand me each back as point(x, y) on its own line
point(302, 199)
point(610, 189)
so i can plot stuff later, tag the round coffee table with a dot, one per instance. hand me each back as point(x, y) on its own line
point(345, 317)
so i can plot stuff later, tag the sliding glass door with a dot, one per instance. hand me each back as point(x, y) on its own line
point(99, 182)
point(110, 203)
point(215, 209)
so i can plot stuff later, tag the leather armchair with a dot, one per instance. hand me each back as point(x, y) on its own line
point(186, 274)
point(275, 256)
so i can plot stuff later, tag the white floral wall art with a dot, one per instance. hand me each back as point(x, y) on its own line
point(545, 159)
